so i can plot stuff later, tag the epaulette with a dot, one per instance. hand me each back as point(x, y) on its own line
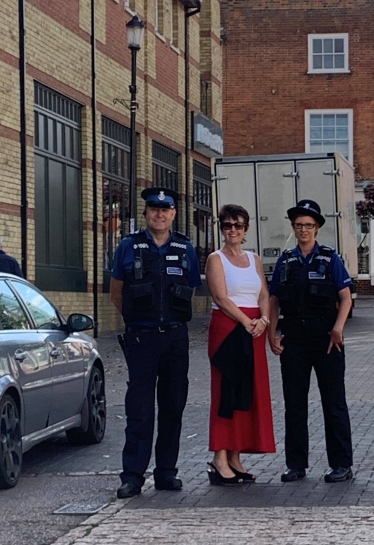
point(326, 248)
point(287, 252)
point(139, 236)
point(177, 234)
point(138, 232)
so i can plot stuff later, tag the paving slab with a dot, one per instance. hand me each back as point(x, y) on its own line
point(267, 512)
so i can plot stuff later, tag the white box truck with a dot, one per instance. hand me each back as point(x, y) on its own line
point(267, 185)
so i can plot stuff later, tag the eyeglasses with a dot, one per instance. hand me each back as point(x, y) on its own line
point(227, 225)
point(299, 226)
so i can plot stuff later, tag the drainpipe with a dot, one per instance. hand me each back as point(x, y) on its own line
point(23, 136)
point(187, 15)
point(94, 169)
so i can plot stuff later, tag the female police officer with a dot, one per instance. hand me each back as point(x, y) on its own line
point(310, 288)
point(153, 279)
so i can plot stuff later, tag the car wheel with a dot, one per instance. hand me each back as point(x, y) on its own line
point(96, 407)
point(10, 443)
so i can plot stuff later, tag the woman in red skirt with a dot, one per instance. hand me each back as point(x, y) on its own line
point(240, 416)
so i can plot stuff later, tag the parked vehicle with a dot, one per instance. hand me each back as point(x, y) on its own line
point(268, 185)
point(51, 376)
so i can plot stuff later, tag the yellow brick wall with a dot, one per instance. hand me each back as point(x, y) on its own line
point(57, 51)
point(9, 27)
point(9, 96)
point(10, 171)
point(11, 235)
point(100, 19)
point(62, 60)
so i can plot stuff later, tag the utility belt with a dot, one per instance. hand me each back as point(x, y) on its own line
point(306, 320)
point(151, 329)
point(138, 330)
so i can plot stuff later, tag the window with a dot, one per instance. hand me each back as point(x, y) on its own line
point(58, 192)
point(43, 313)
point(328, 131)
point(174, 23)
point(130, 5)
point(205, 102)
point(11, 314)
point(327, 53)
point(116, 176)
point(165, 169)
point(159, 24)
point(203, 214)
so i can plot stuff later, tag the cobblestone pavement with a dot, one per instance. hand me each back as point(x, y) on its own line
point(276, 526)
point(262, 513)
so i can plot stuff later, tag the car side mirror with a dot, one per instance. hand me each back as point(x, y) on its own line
point(80, 322)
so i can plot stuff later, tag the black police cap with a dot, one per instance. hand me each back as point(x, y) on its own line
point(306, 207)
point(160, 197)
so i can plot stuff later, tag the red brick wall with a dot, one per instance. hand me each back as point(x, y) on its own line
point(364, 287)
point(266, 88)
point(66, 13)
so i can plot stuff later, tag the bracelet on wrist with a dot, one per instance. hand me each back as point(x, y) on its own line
point(265, 320)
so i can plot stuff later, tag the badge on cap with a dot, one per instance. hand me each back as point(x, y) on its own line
point(161, 196)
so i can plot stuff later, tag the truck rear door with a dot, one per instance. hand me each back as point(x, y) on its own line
point(276, 193)
point(316, 180)
point(235, 184)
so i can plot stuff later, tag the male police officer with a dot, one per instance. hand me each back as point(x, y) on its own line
point(310, 288)
point(153, 280)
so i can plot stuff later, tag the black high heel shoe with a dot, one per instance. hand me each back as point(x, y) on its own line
point(247, 477)
point(217, 479)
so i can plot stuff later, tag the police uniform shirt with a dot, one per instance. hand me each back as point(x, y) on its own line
point(338, 272)
point(125, 256)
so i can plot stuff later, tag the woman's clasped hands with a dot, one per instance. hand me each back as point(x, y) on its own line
point(255, 327)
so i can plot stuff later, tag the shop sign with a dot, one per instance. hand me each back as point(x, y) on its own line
point(207, 136)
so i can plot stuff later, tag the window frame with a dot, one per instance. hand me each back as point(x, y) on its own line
point(347, 111)
point(344, 70)
point(166, 170)
point(58, 145)
point(130, 6)
point(159, 17)
point(174, 24)
point(115, 136)
point(202, 209)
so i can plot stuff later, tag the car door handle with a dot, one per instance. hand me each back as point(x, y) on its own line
point(56, 352)
point(19, 355)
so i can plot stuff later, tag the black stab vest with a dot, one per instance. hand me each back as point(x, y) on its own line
point(306, 290)
point(157, 288)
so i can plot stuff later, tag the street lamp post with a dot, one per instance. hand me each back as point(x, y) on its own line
point(135, 31)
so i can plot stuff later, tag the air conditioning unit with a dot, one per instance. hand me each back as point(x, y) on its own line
point(192, 3)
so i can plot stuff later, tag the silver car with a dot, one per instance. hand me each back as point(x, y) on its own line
point(51, 376)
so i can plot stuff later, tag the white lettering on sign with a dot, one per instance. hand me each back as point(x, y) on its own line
point(206, 137)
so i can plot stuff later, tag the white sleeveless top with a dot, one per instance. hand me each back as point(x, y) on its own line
point(243, 284)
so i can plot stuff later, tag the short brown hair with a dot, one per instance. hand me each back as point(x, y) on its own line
point(233, 211)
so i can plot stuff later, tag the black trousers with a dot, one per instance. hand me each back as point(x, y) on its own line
point(305, 347)
point(156, 361)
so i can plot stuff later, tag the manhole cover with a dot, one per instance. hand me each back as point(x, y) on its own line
point(80, 509)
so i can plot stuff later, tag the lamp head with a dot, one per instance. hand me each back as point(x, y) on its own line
point(135, 31)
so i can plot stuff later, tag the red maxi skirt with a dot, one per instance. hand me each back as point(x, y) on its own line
point(248, 431)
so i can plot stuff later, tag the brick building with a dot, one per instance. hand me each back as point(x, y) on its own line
point(298, 77)
point(65, 71)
